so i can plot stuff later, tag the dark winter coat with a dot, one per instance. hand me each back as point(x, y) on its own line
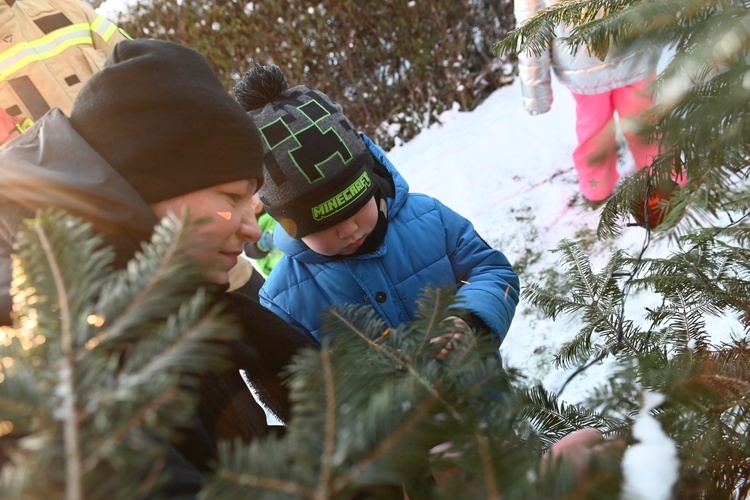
point(426, 244)
point(51, 165)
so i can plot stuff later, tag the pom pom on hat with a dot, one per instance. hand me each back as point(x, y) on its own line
point(260, 86)
point(159, 115)
point(318, 171)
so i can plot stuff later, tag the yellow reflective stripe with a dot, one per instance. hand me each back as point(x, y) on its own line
point(104, 28)
point(50, 45)
point(24, 125)
point(123, 33)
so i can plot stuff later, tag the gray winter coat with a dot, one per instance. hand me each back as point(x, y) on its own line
point(580, 72)
point(52, 166)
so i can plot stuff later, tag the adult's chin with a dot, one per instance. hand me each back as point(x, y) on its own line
point(217, 268)
point(217, 277)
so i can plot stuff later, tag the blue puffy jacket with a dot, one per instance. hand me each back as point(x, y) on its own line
point(426, 244)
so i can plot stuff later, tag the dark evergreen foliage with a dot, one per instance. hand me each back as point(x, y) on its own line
point(387, 403)
point(88, 400)
point(101, 371)
point(701, 123)
point(392, 65)
point(94, 426)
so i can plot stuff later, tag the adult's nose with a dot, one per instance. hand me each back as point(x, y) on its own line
point(249, 229)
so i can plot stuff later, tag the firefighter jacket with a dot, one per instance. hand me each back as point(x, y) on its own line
point(48, 49)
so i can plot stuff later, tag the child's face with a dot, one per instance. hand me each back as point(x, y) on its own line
point(347, 236)
point(231, 222)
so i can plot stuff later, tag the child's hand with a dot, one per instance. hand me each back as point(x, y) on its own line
point(265, 243)
point(460, 328)
point(579, 448)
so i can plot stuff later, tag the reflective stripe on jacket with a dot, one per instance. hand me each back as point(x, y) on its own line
point(48, 49)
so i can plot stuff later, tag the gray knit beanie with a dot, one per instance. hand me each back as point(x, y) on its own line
point(317, 169)
point(159, 115)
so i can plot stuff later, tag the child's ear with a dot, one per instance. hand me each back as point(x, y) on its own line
point(256, 204)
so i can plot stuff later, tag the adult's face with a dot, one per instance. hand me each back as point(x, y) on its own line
point(231, 223)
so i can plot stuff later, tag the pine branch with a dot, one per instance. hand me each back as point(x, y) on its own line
point(597, 297)
point(43, 238)
point(71, 438)
point(101, 399)
point(327, 459)
point(701, 124)
point(392, 402)
point(555, 419)
point(535, 34)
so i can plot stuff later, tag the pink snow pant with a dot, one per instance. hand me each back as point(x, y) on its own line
point(595, 157)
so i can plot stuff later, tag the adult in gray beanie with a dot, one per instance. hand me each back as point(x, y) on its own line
point(155, 130)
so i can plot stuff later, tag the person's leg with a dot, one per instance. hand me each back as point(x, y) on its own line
point(595, 157)
point(631, 102)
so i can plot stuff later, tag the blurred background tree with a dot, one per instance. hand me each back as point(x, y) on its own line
point(393, 65)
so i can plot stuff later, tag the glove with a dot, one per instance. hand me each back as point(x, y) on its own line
point(265, 243)
point(538, 105)
point(259, 249)
point(536, 108)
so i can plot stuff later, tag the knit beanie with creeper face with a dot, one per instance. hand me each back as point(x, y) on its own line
point(318, 171)
point(159, 115)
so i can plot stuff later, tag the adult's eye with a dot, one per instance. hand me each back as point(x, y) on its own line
point(235, 198)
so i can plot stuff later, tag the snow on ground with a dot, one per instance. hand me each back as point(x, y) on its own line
point(511, 174)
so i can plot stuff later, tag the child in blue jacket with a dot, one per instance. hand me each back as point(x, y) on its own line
point(350, 230)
